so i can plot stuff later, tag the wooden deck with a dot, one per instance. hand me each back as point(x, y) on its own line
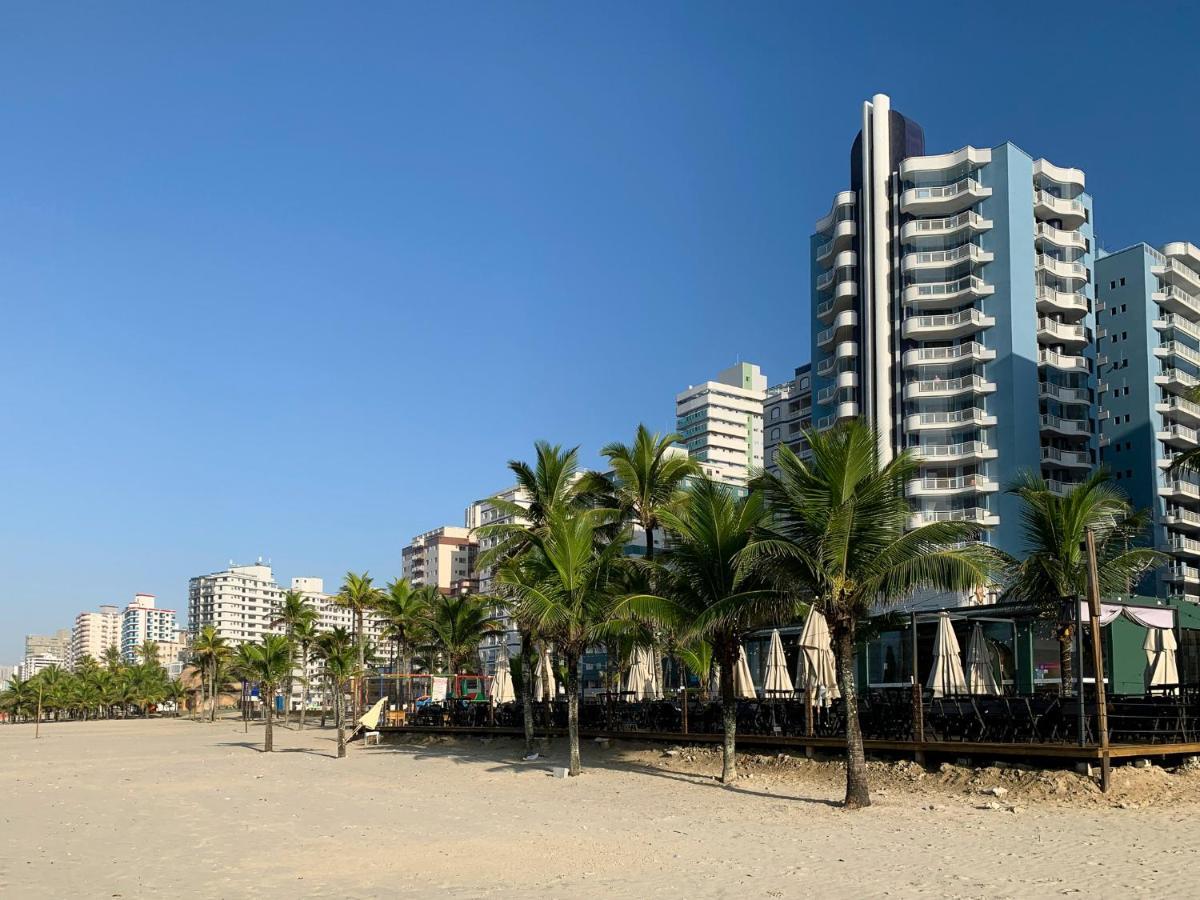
point(1070, 752)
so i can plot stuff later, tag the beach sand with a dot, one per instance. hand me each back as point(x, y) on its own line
point(136, 809)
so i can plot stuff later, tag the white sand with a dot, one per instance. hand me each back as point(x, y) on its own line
point(175, 808)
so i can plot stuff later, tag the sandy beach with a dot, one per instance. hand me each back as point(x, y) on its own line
point(177, 808)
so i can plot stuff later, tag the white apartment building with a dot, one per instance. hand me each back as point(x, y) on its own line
point(45, 650)
point(443, 557)
point(488, 512)
point(6, 676)
point(239, 602)
point(143, 621)
point(94, 633)
point(721, 422)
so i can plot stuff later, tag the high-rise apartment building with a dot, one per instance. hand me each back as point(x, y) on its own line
point(952, 308)
point(787, 414)
point(45, 650)
point(239, 602)
point(94, 633)
point(143, 621)
point(1148, 341)
point(444, 558)
point(721, 422)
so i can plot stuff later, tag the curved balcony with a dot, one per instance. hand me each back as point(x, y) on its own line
point(948, 293)
point(931, 486)
point(967, 223)
point(1179, 409)
point(1181, 573)
point(975, 514)
point(1184, 546)
point(1176, 273)
point(1176, 300)
point(842, 239)
point(1178, 517)
point(826, 279)
point(1177, 350)
point(826, 366)
point(1059, 237)
point(1071, 213)
point(841, 327)
point(949, 419)
point(1068, 459)
point(1061, 302)
point(1174, 322)
point(940, 356)
point(842, 299)
point(971, 157)
point(826, 222)
point(1044, 169)
point(948, 387)
point(1068, 427)
point(1179, 437)
point(1052, 391)
point(1064, 361)
point(1179, 489)
point(936, 260)
point(1185, 251)
point(846, 410)
point(1068, 271)
point(967, 451)
point(1073, 337)
point(953, 325)
point(1176, 381)
point(943, 199)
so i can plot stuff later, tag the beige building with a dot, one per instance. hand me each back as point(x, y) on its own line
point(94, 633)
point(45, 650)
point(144, 621)
point(444, 558)
point(239, 602)
point(721, 422)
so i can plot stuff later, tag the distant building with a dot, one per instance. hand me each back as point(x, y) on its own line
point(142, 621)
point(443, 558)
point(45, 650)
point(488, 512)
point(94, 633)
point(721, 422)
point(239, 602)
point(787, 414)
point(6, 676)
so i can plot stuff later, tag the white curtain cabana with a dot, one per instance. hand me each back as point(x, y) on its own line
point(543, 678)
point(641, 683)
point(816, 669)
point(981, 678)
point(1160, 647)
point(776, 680)
point(946, 678)
point(501, 688)
point(743, 682)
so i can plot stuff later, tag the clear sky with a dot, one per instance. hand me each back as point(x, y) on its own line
point(294, 280)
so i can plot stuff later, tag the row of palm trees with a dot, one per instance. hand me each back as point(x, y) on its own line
point(95, 689)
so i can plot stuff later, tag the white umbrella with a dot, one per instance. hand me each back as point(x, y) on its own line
point(743, 682)
point(543, 678)
point(501, 689)
point(946, 677)
point(816, 670)
point(981, 679)
point(1160, 646)
point(776, 680)
point(640, 680)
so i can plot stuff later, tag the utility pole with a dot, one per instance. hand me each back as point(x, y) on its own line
point(37, 725)
point(1098, 658)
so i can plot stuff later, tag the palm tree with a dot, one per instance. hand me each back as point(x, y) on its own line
point(1053, 574)
point(697, 657)
point(112, 659)
point(457, 626)
point(20, 697)
point(338, 656)
point(209, 650)
point(293, 614)
point(147, 652)
point(303, 635)
point(839, 535)
point(269, 663)
point(710, 594)
point(563, 584)
point(404, 611)
point(359, 595)
point(177, 692)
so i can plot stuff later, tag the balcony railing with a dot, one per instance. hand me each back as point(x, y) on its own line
point(1072, 426)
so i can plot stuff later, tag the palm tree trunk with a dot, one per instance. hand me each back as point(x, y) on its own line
point(1066, 659)
point(575, 767)
point(406, 665)
point(362, 665)
point(728, 713)
point(304, 684)
point(341, 727)
point(857, 793)
point(269, 705)
point(527, 688)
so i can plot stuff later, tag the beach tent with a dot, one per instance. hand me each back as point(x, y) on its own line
point(1160, 647)
point(776, 680)
point(981, 679)
point(370, 719)
point(543, 677)
point(501, 688)
point(640, 682)
point(743, 683)
point(946, 677)
point(815, 669)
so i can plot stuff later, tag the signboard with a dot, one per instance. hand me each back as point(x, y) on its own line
point(438, 689)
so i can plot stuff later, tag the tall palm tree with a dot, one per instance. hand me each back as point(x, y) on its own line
point(404, 611)
point(457, 626)
point(112, 659)
point(209, 650)
point(269, 663)
point(359, 595)
point(710, 594)
point(1053, 574)
point(293, 613)
point(147, 652)
point(563, 584)
point(303, 635)
point(839, 535)
point(20, 697)
point(338, 657)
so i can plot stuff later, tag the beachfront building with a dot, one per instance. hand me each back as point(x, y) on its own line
point(952, 307)
point(488, 512)
point(239, 602)
point(444, 558)
point(1148, 341)
point(45, 650)
point(94, 633)
point(787, 414)
point(6, 676)
point(143, 621)
point(721, 423)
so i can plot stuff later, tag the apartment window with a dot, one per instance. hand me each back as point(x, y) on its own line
point(1122, 305)
point(1129, 473)
point(774, 434)
point(1124, 335)
point(1128, 445)
point(1114, 339)
point(1122, 282)
point(1112, 285)
point(775, 413)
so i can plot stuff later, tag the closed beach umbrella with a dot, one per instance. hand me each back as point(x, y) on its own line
point(743, 683)
point(543, 677)
point(946, 678)
point(776, 681)
point(501, 689)
point(1160, 649)
point(980, 677)
point(816, 670)
point(640, 682)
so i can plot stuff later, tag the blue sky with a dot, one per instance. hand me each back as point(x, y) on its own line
point(295, 280)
